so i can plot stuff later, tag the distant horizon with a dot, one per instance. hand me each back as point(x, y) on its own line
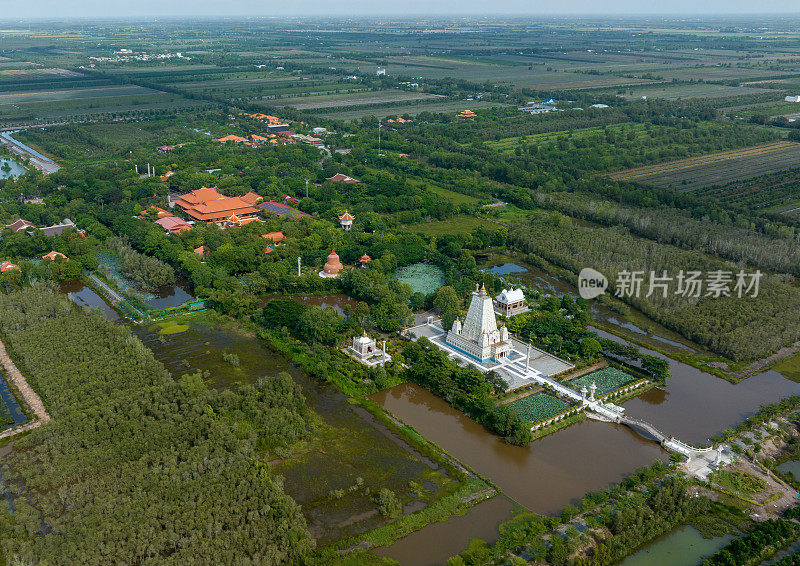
point(49, 10)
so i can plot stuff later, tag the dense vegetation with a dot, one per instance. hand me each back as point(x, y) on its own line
point(129, 449)
point(147, 271)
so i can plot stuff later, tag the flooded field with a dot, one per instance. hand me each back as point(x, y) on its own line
point(546, 282)
point(347, 444)
point(85, 297)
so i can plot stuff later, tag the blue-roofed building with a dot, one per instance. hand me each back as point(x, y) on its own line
point(281, 209)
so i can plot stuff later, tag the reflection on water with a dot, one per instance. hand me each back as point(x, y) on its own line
point(696, 405)
point(439, 541)
point(85, 297)
point(10, 401)
point(544, 476)
point(684, 546)
point(505, 269)
point(170, 296)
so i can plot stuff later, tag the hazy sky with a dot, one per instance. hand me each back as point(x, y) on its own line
point(128, 8)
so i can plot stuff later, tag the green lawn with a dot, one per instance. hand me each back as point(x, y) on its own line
point(462, 224)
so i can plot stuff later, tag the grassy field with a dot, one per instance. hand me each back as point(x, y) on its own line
point(452, 196)
point(456, 225)
point(716, 168)
point(789, 367)
point(507, 145)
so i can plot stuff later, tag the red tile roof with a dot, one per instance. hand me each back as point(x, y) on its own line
point(173, 224)
point(20, 224)
point(208, 205)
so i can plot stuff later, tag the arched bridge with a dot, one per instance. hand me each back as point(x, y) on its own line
point(668, 442)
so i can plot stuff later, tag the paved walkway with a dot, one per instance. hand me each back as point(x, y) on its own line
point(29, 396)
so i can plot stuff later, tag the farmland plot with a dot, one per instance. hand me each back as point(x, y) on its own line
point(716, 168)
point(72, 94)
point(358, 99)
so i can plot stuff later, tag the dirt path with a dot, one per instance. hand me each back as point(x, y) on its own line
point(29, 396)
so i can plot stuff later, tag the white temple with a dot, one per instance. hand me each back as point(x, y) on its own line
point(479, 336)
point(510, 302)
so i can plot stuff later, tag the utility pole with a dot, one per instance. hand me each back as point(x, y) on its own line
point(379, 138)
point(299, 266)
point(306, 188)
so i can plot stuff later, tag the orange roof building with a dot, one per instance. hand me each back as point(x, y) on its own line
point(346, 220)
point(201, 252)
point(364, 260)
point(252, 198)
point(276, 237)
point(232, 138)
point(173, 224)
point(208, 205)
point(52, 256)
point(467, 114)
point(7, 266)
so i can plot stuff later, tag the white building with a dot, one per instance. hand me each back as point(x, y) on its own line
point(478, 336)
point(792, 99)
point(380, 72)
point(366, 350)
point(346, 220)
point(510, 302)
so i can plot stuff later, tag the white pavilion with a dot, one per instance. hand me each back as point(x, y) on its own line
point(478, 336)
